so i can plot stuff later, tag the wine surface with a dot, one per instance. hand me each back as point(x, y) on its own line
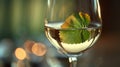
point(52, 31)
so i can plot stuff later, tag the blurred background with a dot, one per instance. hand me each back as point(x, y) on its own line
point(24, 44)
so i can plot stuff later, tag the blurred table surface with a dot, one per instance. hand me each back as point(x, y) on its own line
point(105, 53)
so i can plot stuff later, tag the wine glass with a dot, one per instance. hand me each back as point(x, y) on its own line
point(73, 26)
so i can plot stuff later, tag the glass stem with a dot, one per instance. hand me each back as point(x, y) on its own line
point(73, 61)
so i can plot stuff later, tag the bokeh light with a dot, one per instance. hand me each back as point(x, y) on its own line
point(20, 53)
point(28, 45)
point(39, 49)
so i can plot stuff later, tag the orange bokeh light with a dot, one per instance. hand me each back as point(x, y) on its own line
point(20, 53)
point(39, 49)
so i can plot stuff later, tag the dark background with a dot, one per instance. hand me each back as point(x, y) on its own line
point(110, 15)
point(109, 49)
point(106, 52)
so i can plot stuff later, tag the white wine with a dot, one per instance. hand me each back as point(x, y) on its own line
point(52, 31)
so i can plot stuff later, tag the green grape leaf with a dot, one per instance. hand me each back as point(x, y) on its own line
point(68, 36)
point(85, 34)
point(77, 20)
